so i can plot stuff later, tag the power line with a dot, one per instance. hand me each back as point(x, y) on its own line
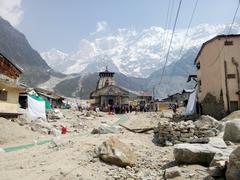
point(234, 17)
point(190, 22)
point(229, 31)
point(184, 40)
point(174, 27)
point(168, 25)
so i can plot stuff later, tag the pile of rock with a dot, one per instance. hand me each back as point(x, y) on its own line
point(54, 114)
point(169, 133)
point(222, 161)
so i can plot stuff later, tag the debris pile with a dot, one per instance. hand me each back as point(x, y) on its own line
point(169, 133)
point(41, 126)
point(54, 114)
point(105, 129)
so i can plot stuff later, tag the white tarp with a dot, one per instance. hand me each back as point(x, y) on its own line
point(191, 106)
point(36, 109)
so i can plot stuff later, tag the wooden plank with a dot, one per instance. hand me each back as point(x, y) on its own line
point(138, 130)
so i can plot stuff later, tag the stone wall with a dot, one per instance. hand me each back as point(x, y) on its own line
point(213, 107)
point(170, 133)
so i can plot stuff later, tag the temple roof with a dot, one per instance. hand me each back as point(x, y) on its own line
point(106, 73)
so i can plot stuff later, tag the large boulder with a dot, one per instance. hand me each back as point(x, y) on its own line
point(233, 170)
point(116, 152)
point(232, 131)
point(194, 153)
point(233, 115)
point(208, 122)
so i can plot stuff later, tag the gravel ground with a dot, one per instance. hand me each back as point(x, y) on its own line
point(75, 157)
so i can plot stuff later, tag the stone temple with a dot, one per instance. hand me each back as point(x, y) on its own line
point(107, 93)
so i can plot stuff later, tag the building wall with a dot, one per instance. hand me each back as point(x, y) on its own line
point(211, 75)
point(11, 105)
point(103, 100)
point(102, 81)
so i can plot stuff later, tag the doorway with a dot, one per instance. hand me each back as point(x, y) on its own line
point(110, 102)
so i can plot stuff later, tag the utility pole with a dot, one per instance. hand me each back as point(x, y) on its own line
point(153, 93)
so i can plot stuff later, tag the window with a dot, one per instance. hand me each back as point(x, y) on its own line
point(228, 43)
point(3, 95)
point(231, 76)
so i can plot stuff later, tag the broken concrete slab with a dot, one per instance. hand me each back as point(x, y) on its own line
point(217, 142)
point(194, 153)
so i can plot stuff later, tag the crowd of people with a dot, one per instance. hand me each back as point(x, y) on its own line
point(123, 108)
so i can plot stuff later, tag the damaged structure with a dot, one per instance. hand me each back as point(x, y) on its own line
point(218, 76)
point(107, 93)
point(9, 87)
point(180, 98)
point(55, 100)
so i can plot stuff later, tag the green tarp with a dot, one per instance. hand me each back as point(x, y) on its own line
point(47, 103)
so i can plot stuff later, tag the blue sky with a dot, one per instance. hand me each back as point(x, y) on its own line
point(62, 24)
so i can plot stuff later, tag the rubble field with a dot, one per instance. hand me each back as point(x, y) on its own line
point(110, 151)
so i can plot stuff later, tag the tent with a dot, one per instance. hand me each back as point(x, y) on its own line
point(47, 103)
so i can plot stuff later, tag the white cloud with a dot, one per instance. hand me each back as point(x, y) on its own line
point(101, 26)
point(11, 10)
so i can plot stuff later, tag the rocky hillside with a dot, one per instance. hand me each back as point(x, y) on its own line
point(14, 45)
point(173, 81)
point(82, 85)
point(175, 76)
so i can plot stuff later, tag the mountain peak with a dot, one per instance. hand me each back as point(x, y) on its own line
point(133, 53)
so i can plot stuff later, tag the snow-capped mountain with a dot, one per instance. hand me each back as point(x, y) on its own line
point(131, 52)
point(57, 59)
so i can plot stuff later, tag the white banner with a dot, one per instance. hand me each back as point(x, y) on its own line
point(36, 109)
point(191, 106)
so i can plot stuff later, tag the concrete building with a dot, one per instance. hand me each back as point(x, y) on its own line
point(107, 93)
point(218, 75)
point(9, 87)
point(180, 98)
